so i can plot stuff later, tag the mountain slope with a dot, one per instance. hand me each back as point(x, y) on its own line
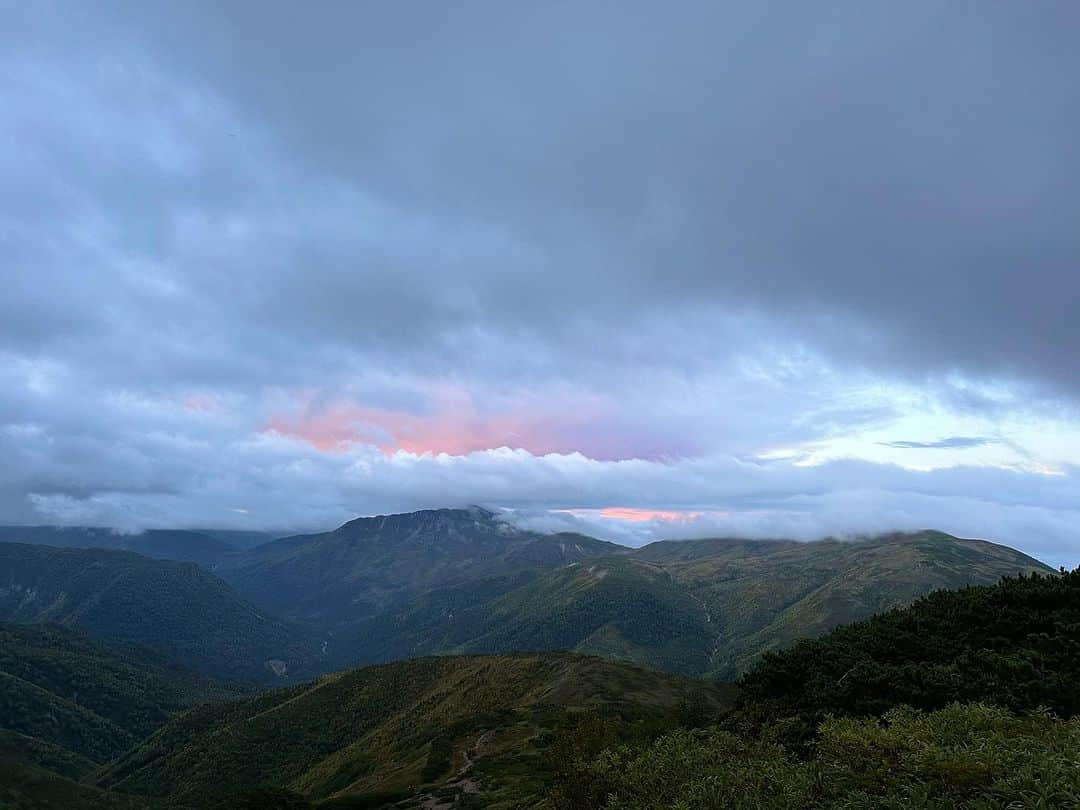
point(694, 607)
point(765, 602)
point(25, 785)
point(176, 608)
point(617, 607)
point(68, 704)
point(89, 699)
point(204, 548)
point(370, 564)
point(1015, 644)
point(940, 704)
point(415, 729)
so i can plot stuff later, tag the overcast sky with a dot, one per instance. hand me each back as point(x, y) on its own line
point(663, 269)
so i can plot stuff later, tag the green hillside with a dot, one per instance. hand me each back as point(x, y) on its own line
point(616, 607)
point(966, 699)
point(1016, 644)
point(706, 607)
point(176, 608)
point(963, 757)
point(68, 705)
point(464, 581)
point(371, 564)
point(473, 727)
point(766, 601)
point(93, 700)
point(24, 785)
point(963, 699)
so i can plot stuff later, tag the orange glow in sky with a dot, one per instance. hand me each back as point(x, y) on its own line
point(636, 515)
point(453, 426)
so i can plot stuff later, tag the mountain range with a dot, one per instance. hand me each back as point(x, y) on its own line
point(208, 548)
point(466, 581)
point(562, 730)
point(505, 666)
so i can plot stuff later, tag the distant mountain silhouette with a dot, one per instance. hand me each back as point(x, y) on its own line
point(205, 548)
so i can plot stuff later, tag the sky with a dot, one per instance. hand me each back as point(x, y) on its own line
point(640, 269)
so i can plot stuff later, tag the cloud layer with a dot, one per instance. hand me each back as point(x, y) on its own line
point(785, 270)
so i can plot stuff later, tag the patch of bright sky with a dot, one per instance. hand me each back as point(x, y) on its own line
point(1010, 436)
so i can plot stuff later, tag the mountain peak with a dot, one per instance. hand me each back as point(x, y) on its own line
point(472, 513)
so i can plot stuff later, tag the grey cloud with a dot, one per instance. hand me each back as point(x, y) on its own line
point(702, 222)
point(894, 186)
point(906, 174)
point(286, 486)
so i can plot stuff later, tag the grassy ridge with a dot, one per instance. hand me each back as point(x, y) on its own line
point(502, 730)
point(462, 581)
point(417, 728)
point(25, 785)
point(706, 607)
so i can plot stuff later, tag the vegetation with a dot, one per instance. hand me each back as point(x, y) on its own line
point(27, 786)
point(965, 699)
point(616, 607)
point(67, 705)
point(178, 609)
point(962, 756)
point(66, 693)
point(449, 727)
point(706, 607)
point(371, 565)
point(462, 581)
point(869, 716)
point(1016, 644)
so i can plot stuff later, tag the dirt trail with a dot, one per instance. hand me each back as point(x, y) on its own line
point(462, 781)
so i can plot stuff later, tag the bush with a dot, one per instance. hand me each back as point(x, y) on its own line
point(963, 756)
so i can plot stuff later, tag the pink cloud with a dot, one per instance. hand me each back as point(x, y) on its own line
point(637, 515)
point(455, 425)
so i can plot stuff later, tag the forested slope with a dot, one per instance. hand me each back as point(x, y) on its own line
point(176, 608)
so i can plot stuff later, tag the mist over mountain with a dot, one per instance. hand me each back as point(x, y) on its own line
point(751, 327)
point(204, 548)
point(467, 581)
